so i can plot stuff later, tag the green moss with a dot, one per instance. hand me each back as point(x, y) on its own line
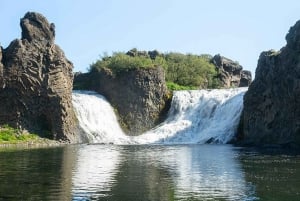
point(14, 136)
point(176, 87)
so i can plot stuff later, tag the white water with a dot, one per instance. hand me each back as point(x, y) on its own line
point(196, 116)
point(97, 119)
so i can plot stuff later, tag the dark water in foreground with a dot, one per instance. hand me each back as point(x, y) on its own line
point(141, 173)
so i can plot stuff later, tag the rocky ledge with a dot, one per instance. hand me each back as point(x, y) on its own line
point(36, 82)
point(272, 104)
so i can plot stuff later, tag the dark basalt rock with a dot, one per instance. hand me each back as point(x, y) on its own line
point(246, 78)
point(140, 96)
point(272, 104)
point(36, 27)
point(1, 69)
point(231, 74)
point(36, 89)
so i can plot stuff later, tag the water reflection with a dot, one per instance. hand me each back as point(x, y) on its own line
point(36, 174)
point(95, 169)
point(206, 172)
point(199, 172)
point(165, 173)
point(276, 176)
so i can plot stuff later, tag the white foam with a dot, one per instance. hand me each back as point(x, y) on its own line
point(97, 118)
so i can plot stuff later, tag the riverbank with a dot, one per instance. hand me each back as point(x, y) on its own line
point(32, 144)
point(10, 137)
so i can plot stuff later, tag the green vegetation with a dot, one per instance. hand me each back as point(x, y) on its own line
point(14, 136)
point(120, 62)
point(175, 87)
point(183, 71)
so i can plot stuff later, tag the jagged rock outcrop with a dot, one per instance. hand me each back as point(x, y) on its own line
point(272, 104)
point(231, 74)
point(37, 82)
point(140, 96)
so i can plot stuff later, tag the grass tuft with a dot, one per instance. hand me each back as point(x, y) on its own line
point(13, 136)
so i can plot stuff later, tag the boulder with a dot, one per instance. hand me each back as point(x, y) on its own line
point(37, 83)
point(271, 112)
point(140, 96)
point(231, 73)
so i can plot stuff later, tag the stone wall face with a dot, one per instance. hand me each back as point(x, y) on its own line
point(272, 104)
point(37, 82)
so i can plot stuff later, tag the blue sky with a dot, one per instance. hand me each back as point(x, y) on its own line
point(237, 29)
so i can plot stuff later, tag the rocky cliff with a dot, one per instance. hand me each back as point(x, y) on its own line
point(36, 82)
point(230, 73)
point(139, 96)
point(272, 104)
point(1, 69)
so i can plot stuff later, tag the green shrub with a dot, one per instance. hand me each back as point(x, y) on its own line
point(119, 62)
point(183, 70)
point(176, 87)
point(189, 70)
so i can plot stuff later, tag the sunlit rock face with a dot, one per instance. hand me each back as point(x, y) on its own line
point(271, 105)
point(36, 82)
point(231, 73)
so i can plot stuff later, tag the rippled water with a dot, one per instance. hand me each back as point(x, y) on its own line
point(128, 173)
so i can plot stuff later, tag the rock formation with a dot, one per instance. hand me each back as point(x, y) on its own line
point(1, 69)
point(139, 96)
point(37, 79)
point(231, 74)
point(272, 104)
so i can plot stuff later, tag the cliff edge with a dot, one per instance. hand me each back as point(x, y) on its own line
point(272, 104)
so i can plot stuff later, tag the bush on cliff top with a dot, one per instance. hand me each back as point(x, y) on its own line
point(119, 62)
point(183, 71)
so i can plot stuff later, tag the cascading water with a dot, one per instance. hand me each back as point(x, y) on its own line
point(96, 118)
point(196, 116)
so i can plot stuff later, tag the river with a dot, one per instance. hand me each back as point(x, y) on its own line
point(147, 172)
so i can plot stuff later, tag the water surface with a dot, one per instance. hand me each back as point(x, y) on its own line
point(144, 172)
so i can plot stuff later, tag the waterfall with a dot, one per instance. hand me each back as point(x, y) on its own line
point(195, 116)
point(97, 118)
